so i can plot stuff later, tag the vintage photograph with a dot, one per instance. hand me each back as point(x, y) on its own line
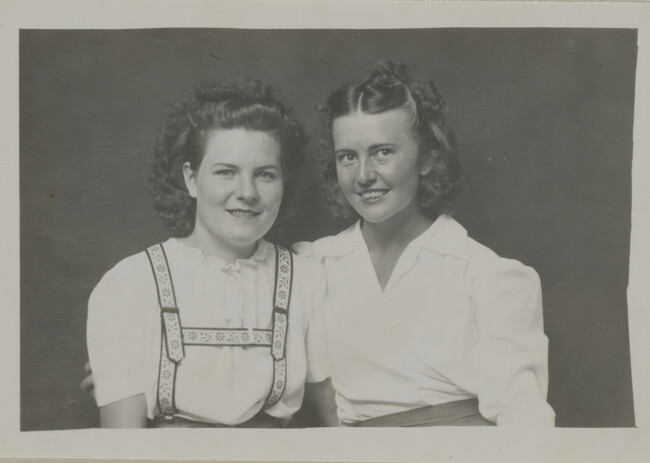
point(353, 236)
point(457, 200)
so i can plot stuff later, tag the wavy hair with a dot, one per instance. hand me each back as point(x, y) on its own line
point(244, 104)
point(389, 87)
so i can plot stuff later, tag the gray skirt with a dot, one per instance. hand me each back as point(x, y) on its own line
point(458, 413)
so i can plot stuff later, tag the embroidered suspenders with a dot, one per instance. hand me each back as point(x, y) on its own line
point(175, 337)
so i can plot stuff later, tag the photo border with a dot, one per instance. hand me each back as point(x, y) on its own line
point(385, 445)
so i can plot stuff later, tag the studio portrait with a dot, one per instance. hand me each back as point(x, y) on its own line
point(314, 228)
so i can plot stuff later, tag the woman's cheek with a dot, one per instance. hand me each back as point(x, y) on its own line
point(274, 193)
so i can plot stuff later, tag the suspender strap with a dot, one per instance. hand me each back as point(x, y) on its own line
point(175, 336)
point(281, 300)
point(171, 319)
point(172, 350)
point(227, 337)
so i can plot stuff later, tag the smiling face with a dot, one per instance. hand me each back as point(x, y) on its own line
point(238, 189)
point(377, 164)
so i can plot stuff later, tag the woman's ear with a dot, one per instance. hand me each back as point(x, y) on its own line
point(190, 179)
point(426, 162)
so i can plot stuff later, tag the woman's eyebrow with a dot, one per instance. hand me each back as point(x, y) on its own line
point(269, 166)
point(377, 146)
point(225, 164)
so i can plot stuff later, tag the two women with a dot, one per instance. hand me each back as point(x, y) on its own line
point(420, 325)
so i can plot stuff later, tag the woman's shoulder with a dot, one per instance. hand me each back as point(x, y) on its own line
point(483, 259)
point(491, 273)
point(131, 274)
point(328, 246)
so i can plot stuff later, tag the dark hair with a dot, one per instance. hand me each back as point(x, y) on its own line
point(244, 104)
point(390, 87)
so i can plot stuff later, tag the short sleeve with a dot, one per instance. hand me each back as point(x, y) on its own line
point(316, 339)
point(119, 311)
point(511, 356)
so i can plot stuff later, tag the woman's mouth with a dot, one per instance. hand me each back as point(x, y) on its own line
point(243, 212)
point(373, 195)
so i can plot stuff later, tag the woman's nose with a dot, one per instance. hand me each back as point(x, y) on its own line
point(366, 173)
point(247, 189)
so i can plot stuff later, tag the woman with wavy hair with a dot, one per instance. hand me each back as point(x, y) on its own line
point(210, 327)
point(425, 326)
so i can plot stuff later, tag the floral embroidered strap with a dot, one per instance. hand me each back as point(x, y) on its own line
point(175, 336)
point(281, 300)
point(227, 337)
point(172, 350)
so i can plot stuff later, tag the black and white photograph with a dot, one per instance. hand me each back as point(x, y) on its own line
point(282, 232)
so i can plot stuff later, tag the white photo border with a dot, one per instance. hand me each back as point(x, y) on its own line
point(381, 445)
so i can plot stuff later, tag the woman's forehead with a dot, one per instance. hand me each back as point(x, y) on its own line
point(361, 128)
point(241, 146)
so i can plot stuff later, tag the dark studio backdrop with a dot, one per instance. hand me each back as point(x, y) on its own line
point(544, 118)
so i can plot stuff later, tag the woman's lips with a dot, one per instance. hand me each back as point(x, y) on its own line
point(373, 195)
point(243, 212)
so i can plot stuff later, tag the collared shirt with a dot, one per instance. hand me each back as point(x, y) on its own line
point(455, 321)
point(226, 385)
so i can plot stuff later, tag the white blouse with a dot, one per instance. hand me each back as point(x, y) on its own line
point(224, 384)
point(455, 321)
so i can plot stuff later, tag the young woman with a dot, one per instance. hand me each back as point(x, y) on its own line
point(210, 328)
point(425, 326)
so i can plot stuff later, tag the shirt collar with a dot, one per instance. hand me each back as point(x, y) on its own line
point(264, 253)
point(444, 236)
point(339, 244)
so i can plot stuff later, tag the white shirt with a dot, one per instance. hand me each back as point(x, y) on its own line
point(226, 385)
point(455, 321)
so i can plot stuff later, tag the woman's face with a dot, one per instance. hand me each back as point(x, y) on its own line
point(377, 163)
point(238, 187)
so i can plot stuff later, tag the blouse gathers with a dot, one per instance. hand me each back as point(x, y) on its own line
point(455, 321)
point(225, 384)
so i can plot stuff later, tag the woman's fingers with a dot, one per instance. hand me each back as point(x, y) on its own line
point(88, 384)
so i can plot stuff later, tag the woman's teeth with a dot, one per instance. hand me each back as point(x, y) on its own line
point(242, 213)
point(374, 194)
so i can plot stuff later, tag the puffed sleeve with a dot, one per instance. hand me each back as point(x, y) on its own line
point(118, 314)
point(511, 356)
point(316, 341)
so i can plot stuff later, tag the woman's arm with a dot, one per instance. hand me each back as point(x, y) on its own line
point(511, 356)
point(121, 314)
point(125, 413)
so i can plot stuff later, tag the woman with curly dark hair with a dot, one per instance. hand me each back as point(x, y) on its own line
point(195, 331)
point(425, 326)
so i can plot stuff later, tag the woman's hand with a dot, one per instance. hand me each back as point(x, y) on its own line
point(88, 383)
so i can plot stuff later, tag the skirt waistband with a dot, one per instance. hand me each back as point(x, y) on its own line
point(458, 413)
point(261, 420)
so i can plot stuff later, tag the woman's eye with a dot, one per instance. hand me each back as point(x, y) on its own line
point(383, 153)
point(267, 176)
point(224, 172)
point(347, 158)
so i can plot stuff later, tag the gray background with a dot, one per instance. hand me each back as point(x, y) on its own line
point(544, 118)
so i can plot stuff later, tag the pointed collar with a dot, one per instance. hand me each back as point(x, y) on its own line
point(444, 236)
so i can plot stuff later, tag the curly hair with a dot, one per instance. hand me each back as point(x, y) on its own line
point(391, 86)
point(247, 104)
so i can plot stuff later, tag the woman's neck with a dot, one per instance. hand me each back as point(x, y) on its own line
point(397, 231)
point(210, 246)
